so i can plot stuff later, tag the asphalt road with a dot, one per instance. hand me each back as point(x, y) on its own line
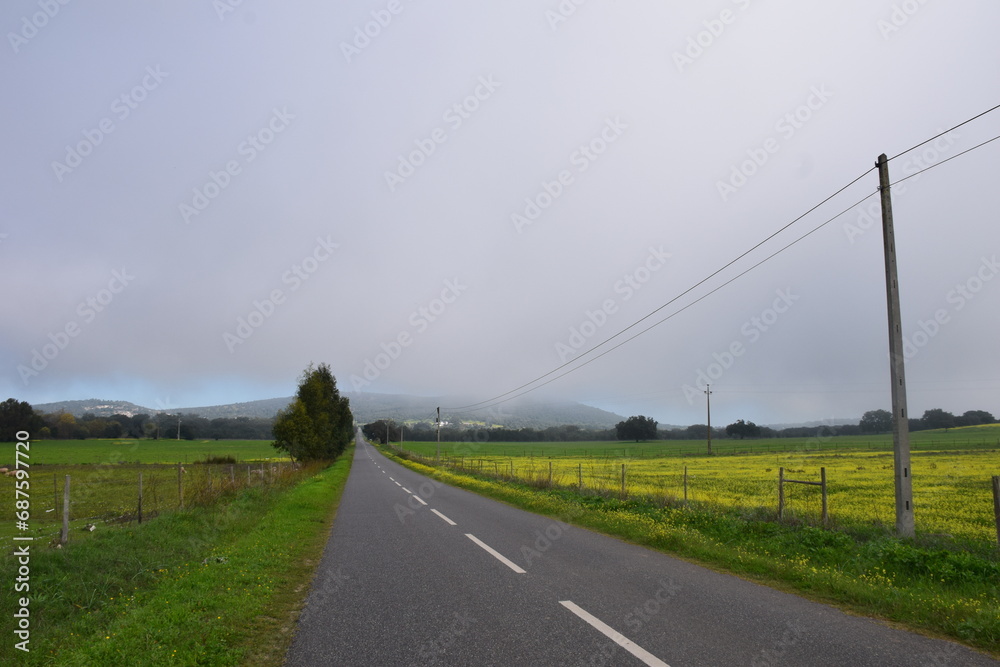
point(419, 573)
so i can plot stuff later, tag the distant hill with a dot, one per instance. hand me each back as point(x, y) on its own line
point(96, 406)
point(826, 422)
point(368, 407)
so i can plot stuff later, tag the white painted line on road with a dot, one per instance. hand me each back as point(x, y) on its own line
point(405, 489)
point(450, 522)
point(419, 499)
point(398, 484)
point(392, 479)
point(615, 636)
point(495, 554)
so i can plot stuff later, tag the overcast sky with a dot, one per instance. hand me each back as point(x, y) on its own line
point(454, 198)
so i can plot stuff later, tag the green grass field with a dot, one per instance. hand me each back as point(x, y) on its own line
point(970, 437)
point(140, 451)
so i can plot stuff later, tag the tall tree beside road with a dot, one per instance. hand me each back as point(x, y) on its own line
point(318, 424)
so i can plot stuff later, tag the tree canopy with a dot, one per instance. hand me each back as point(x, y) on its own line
point(17, 416)
point(318, 424)
point(743, 429)
point(636, 428)
point(876, 421)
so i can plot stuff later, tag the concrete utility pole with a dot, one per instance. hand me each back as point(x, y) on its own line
point(439, 434)
point(178, 426)
point(708, 431)
point(900, 420)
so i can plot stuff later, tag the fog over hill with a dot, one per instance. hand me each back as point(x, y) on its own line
point(369, 407)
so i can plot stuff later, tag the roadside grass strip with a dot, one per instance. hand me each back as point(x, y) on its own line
point(218, 585)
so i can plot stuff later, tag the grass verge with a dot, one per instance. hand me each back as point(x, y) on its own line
point(931, 584)
point(217, 585)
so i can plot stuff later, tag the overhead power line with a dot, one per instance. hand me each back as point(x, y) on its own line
point(658, 309)
point(938, 164)
point(517, 391)
point(936, 136)
point(499, 399)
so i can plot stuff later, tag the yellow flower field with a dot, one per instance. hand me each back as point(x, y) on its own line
point(951, 490)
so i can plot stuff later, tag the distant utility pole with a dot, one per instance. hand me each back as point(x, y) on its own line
point(708, 430)
point(439, 434)
point(387, 432)
point(900, 421)
point(178, 426)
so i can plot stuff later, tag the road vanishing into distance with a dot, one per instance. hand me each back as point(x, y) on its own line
point(420, 573)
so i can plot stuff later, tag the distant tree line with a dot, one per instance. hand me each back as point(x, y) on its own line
point(383, 429)
point(640, 428)
point(19, 415)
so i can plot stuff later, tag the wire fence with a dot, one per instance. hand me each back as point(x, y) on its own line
point(104, 495)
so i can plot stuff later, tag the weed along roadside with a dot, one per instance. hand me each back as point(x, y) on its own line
point(218, 585)
point(934, 584)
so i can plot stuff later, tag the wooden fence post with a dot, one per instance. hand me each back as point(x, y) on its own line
point(822, 483)
point(140, 498)
point(65, 527)
point(249, 480)
point(781, 493)
point(550, 473)
point(55, 488)
point(232, 475)
point(996, 505)
point(180, 485)
point(623, 480)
